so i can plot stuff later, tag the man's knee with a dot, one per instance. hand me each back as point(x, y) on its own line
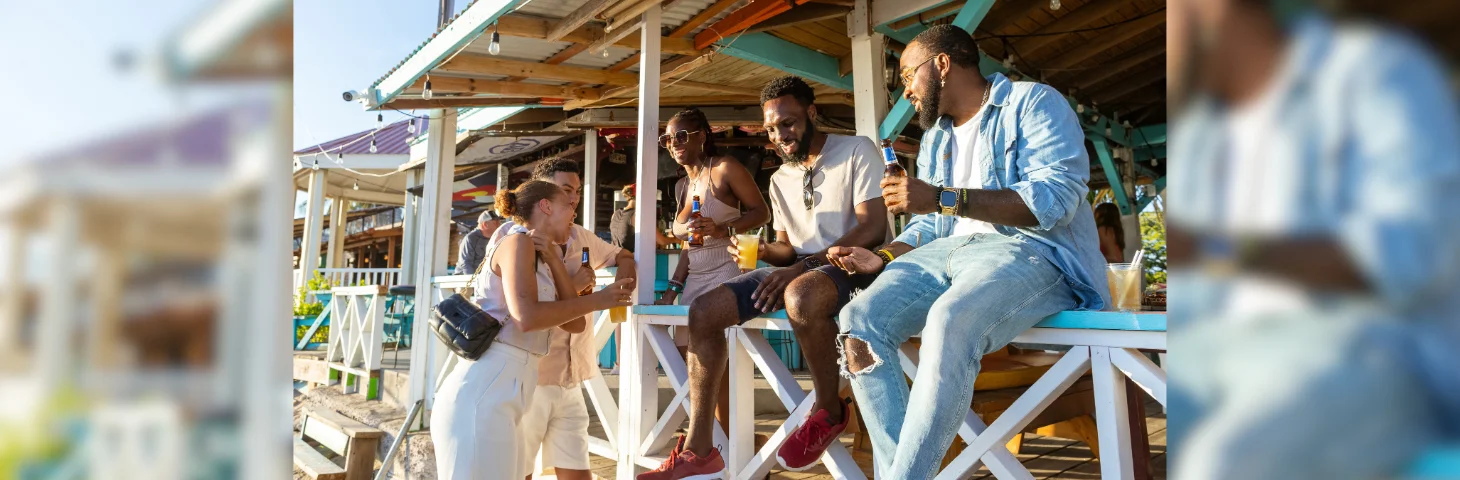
point(859, 356)
point(811, 296)
point(712, 313)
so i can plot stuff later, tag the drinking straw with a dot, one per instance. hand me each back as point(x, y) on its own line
point(1137, 261)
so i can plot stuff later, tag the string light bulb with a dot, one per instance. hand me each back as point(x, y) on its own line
point(495, 47)
point(411, 126)
point(379, 121)
point(427, 93)
point(372, 144)
point(357, 184)
point(1054, 4)
point(1009, 62)
point(315, 166)
point(604, 53)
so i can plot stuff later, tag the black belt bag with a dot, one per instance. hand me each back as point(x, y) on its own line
point(463, 327)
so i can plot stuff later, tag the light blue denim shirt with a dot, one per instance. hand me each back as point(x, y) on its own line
point(1037, 148)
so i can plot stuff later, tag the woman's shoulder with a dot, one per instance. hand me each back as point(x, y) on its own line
point(728, 165)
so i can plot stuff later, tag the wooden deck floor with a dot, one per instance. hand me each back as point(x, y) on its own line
point(1045, 457)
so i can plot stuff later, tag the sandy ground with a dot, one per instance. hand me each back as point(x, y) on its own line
point(415, 460)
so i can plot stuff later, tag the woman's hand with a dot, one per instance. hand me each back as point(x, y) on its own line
point(668, 298)
point(708, 228)
point(855, 259)
point(734, 248)
point(618, 294)
point(543, 245)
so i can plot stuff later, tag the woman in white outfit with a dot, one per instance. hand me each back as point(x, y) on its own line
point(523, 283)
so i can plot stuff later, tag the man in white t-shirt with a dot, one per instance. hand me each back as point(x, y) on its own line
point(558, 418)
point(825, 194)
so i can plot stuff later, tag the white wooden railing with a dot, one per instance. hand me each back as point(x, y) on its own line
point(357, 334)
point(349, 277)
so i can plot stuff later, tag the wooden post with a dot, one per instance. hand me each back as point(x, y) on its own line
point(590, 179)
point(55, 323)
point(435, 212)
point(1111, 416)
point(504, 177)
point(410, 214)
point(313, 225)
point(869, 65)
point(638, 386)
point(339, 208)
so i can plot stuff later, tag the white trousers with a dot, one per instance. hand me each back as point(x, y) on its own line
point(476, 420)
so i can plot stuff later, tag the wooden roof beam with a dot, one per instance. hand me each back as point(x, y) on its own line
point(1105, 42)
point(443, 84)
point(701, 18)
point(459, 102)
point(1079, 18)
point(746, 17)
point(1128, 60)
point(811, 12)
point(482, 64)
point(524, 26)
point(576, 19)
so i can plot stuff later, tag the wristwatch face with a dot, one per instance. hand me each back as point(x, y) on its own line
point(813, 262)
point(948, 200)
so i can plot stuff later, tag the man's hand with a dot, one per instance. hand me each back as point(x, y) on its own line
point(583, 279)
point(855, 259)
point(909, 195)
point(734, 249)
point(708, 228)
point(769, 295)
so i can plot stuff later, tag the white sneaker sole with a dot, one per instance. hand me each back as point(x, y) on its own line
point(720, 475)
point(782, 462)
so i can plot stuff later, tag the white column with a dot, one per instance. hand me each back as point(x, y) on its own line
point(338, 209)
point(869, 80)
point(313, 225)
point(638, 392)
point(430, 249)
point(590, 178)
point(409, 219)
point(14, 287)
point(57, 318)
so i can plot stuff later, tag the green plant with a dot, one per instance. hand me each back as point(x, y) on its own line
point(1153, 239)
point(302, 305)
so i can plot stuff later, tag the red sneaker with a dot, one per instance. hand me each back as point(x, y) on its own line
point(809, 441)
point(685, 465)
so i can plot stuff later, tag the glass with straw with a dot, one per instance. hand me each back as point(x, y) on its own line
point(1125, 284)
point(749, 248)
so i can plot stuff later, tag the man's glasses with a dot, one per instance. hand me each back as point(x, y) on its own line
point(681, 137)
point(907, 73)
point(807, 193)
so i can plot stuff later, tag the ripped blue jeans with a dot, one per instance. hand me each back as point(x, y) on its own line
point(967, 296)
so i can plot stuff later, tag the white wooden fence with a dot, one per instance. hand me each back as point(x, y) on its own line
point(349, 277)
point(357, 334)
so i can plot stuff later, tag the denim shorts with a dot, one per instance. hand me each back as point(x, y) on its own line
point(745, 284)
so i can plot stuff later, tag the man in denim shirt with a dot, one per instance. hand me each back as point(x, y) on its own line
point(1010, 241)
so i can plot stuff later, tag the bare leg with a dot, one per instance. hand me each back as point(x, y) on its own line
point(722, 404)
point(570, 474)
point(810, 304)
point(709, 316)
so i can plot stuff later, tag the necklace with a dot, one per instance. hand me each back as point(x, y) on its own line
point(694, 182)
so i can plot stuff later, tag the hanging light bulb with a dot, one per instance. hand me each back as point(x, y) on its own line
point(1126, 124)
point(411, 126)
point(495, 47)
point(372, 144)
point(357, 184)
point(1009, 62)
point(315, 166)
point(1054, 4)
point(379, 121)
point(604, 53)
point(427, 93)
point(1079, 108)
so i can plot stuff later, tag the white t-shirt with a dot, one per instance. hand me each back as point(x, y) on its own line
point(848, 173)
point(968, 168)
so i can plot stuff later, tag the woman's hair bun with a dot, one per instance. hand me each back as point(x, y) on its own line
point(506, 203)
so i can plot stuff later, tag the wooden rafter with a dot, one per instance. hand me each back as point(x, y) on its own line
point(560, 57)
point(444, 84)
point(535, 27)
point(576, 19)
point(746, 17)
point(702, 17)
point(811, 12)
point(1128, 60)
point(482, 64)
point(458, 102)
point(1128, 84)
point(1079, 18)
point(1103, 42)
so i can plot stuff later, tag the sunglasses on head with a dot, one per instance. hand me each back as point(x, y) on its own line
point(680, 137)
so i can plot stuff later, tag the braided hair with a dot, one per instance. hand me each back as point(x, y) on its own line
point(702, 123)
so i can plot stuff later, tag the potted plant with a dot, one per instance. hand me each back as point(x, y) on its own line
point(306, 311)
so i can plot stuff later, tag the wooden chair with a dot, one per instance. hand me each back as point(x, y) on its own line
point(353, 441)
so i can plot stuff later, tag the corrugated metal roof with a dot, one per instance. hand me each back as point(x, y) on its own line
point(201, 140)
point(394, 139)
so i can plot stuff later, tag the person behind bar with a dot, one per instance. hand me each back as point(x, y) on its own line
point(824, 195)
point(1007, 239)
point(476, 425)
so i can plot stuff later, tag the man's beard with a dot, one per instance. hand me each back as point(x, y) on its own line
point(928, 115)
point(803, 146)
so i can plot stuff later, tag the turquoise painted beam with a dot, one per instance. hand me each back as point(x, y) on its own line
point(1145, 154)
point(1107, 162)
point(766, 49)
point(1149, 135)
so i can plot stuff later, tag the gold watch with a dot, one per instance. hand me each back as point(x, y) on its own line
point(948, 201)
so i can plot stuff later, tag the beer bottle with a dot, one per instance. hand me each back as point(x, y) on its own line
point(695, 240)
point(588, 289)
point(893, 169)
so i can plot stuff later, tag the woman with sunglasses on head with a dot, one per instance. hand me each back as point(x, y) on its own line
point(523, 283)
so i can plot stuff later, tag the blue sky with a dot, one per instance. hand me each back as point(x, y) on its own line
point(338, 49)
point(60, 75)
